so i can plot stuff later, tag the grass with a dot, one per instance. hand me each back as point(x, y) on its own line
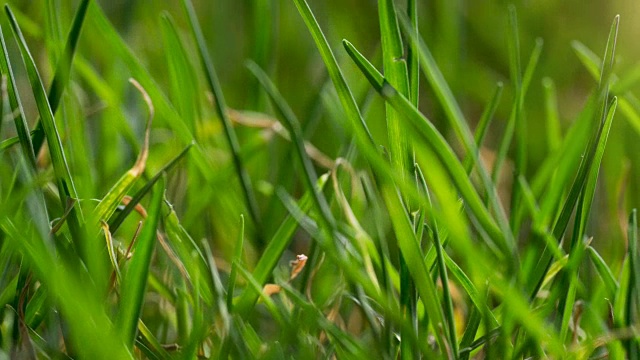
point(404, 195)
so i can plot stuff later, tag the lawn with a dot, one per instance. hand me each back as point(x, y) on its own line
point(319, 179)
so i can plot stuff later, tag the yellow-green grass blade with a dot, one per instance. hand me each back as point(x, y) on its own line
point(134, 282)
point(221, 110)
point(604, 271)
point(63, 70)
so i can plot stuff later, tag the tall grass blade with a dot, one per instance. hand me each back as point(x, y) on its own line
point(221, 110)
point(134, 281)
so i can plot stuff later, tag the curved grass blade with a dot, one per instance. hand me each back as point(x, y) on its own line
point(221, 109)
point(134, 280)
point(115, 222)
point(483, 124)
point(604, 271)
point(359, 127)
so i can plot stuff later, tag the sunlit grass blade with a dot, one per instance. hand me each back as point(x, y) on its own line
point(184, 82)
point(134, 280)
point(554, 134)
point(221, 110)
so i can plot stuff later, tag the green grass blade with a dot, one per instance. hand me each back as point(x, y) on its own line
point(293, 126)
point(346, 96)
point(603, 270)
point(413, 60)
point(633, 294)
point(237, 260)
point(483, 124)
point(116, 220)
point(554, 134)
point(63, 69)
point(412, 254)
point(395, 70)
point(134, 282)
point(22, 128)
point(221, 110)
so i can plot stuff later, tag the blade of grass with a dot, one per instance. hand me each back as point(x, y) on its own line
point(116, 221)
point(221, 110)
point(64, 180)
point(134, 281)
point(63, 69)
point(633, 294)
point(483, 124)
point(237, 260)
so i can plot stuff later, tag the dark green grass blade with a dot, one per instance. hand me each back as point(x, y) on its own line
point(221, 110)
point(134, 282)
point(116, 220)
point(435, 141)
point(413, 60)
point(293, 126)
point(63, 69)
